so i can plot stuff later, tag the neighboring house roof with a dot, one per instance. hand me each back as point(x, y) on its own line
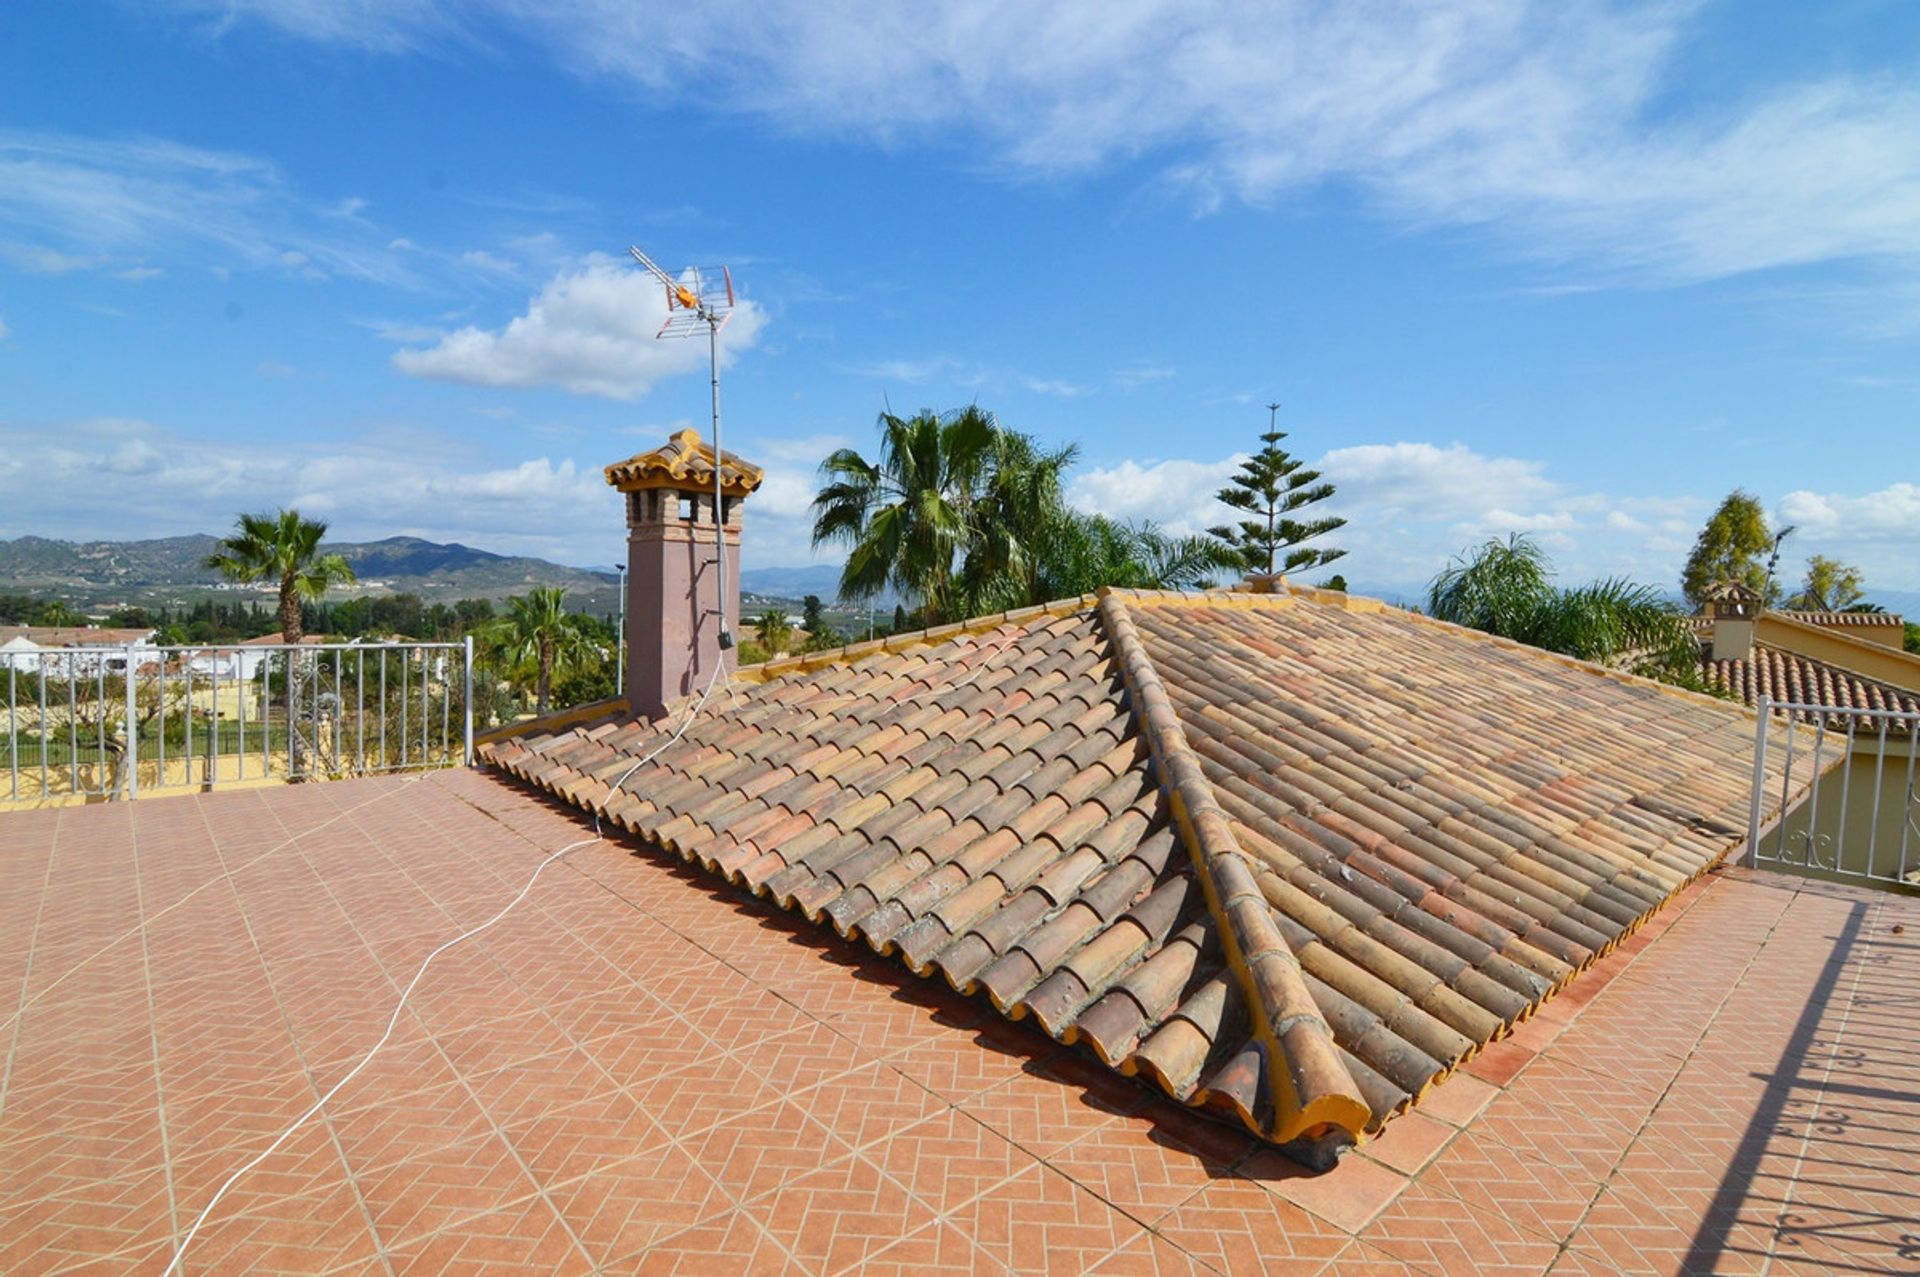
point(1289, 858)
point(1862, 619)
point(1790, 678)
point(277, 640)
point(72, 635)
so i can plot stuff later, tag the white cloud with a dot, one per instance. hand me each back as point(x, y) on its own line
point(1426, 482)
point(112, 478)
point(1893, 513)
point(589, 331)
point(914, 371)
point(1412, 505)
point(1177, 495)
point(1878, 532)
point(1562, 124)
point(5, 332)
point(1055, 387)
point(1140, 374)
point(69, 203)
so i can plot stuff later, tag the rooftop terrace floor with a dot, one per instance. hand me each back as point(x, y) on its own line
point(639, 1070)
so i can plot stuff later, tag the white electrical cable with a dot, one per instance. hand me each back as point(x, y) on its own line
point(393, 1020)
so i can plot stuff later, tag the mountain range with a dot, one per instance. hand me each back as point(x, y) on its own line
point(126, 570)
point(31, 563)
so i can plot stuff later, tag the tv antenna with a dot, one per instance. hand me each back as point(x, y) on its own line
point(702, 298)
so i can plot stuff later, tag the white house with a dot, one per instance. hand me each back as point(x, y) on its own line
point(72, 651)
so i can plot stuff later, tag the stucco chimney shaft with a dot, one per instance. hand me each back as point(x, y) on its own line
point(673, 625)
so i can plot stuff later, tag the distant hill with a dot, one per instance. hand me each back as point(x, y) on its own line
point(794, 583)
point(430, 568)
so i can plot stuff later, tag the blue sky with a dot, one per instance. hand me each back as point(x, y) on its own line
point(1577, 269)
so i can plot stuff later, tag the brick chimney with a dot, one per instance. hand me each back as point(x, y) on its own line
point(1732, 607)
point(673, 632)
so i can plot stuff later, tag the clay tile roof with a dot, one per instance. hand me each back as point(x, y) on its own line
point(684, 461)
point(1786, 677)
point(1289, 860)
point(1861, 619)
point(73, 635)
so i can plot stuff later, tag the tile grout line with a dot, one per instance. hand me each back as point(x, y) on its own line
point(497, 1132)
point(153, 1028)
point(940, 1216)
point(333, 1136)
point(1565, 1244)
point(18, 1025)
point(1806, 1138)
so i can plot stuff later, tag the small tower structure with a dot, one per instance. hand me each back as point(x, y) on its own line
point(1732, 607)
point(673, 630)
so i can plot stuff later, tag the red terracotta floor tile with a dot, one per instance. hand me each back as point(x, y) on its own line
point(870, 1104)
point(1500, 1063)
point(1050, 1105)
point(1151, 1255)
point(1348, 1196)
point(734, 1243)
point(625, 1207)
point(523, 1237)
point(833, 1219)
point(1042, 1222)
point(1409, 1142)
point(938, 1248)
point(958, 1066)
point(1436, 1232)
point(949, 1159)
point(1143, 1165)
point(1235, 1225)
point(756, 1153)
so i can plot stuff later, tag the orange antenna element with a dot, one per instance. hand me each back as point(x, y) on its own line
point(696, 298)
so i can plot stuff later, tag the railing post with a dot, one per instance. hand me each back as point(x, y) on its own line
point(468, 699)
point(1752, 853)
point(133, 731)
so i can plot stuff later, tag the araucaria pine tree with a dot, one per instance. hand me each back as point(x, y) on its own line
point(1270, 487)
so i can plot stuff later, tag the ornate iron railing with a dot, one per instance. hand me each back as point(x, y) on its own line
point(1859, 819)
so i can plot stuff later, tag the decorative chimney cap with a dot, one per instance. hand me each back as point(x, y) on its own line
point(1731, 599)
point(684, 462)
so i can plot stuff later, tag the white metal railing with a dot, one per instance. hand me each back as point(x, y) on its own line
point(1859, 816)
point(111, 722)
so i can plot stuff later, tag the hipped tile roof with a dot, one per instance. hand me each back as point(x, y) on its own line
point(1790, 678)
point(1289, 859)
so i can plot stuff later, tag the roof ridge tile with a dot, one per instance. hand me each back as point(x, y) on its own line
point(1312, 1092)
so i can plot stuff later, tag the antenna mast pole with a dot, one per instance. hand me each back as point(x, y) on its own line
point(719, 500)
point(703, 298)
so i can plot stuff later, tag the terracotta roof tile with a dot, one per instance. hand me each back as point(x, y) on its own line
point(1870, 620)
point(1785, 677)
point(1290, 861)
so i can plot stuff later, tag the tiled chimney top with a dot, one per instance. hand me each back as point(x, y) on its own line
point(685, 462)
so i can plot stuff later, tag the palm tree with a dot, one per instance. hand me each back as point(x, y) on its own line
point(1093, 550)
point(538, 631)
point(284, 548)
point(774, 631)
point(1023, 524)
point(1506, 588)
point(910, 516)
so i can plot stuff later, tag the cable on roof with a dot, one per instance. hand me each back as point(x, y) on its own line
point(692, 713)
